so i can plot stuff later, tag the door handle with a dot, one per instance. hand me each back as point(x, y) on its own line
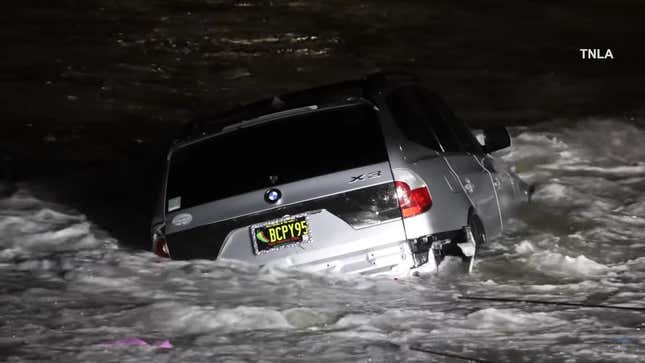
point(469, 186)
point(497, 183)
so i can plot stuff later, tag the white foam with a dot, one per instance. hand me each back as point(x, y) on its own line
point(30, 226)
point(308, 318)
point(623, 170)
point(524, 247)
point(558, 264)
point(177, 318)
point(552, 192)
point(510, 320)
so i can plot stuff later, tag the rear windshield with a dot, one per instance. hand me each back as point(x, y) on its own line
point(277, 152)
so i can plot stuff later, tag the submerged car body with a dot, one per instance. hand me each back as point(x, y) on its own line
point(367, 176)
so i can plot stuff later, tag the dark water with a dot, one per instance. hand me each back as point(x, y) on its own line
point(110, 77)
point(91, 92)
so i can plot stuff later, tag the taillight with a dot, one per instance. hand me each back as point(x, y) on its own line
point(159, 244)
point(414, 196)
point(413, 201)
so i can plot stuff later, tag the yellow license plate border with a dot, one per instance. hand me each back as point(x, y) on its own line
point(307, 238)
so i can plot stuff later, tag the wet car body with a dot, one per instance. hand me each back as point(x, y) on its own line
point(375, 175)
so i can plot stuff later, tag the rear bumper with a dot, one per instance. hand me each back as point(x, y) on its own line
point(335, 246)
point(363, 258)
point(370, 257)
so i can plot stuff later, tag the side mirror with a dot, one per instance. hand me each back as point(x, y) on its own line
point(495, 138)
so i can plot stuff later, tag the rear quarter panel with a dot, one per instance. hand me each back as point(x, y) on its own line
point(450, 205)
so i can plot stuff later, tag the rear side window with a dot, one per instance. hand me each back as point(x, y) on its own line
point(452, 132)
point(405, 106)
point(277, 152)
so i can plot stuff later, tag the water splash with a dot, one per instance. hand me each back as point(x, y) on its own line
point(68, 288)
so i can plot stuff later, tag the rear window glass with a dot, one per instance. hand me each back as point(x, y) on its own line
point(280, 151)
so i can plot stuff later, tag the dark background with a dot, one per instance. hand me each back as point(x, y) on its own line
point(92, 91)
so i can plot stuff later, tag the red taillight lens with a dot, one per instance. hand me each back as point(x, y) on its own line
point(412, 201)
point(159, 245)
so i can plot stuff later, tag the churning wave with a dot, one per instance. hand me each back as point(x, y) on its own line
point(70, 291)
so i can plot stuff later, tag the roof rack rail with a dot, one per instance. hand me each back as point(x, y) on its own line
point(259, 119)
point(362, 87)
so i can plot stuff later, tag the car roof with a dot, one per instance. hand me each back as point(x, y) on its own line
point(348, 102)
point(322, 96)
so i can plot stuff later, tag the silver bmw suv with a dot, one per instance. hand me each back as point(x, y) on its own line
point(375, 175)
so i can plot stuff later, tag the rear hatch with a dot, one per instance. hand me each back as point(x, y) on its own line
point(309, 187)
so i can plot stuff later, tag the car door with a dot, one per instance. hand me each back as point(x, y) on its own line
point(466, 159)
point(508, 189)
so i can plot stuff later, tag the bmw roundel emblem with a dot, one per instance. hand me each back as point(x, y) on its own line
point(272, 195)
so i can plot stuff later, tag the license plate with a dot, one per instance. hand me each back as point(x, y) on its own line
point(280, 233)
